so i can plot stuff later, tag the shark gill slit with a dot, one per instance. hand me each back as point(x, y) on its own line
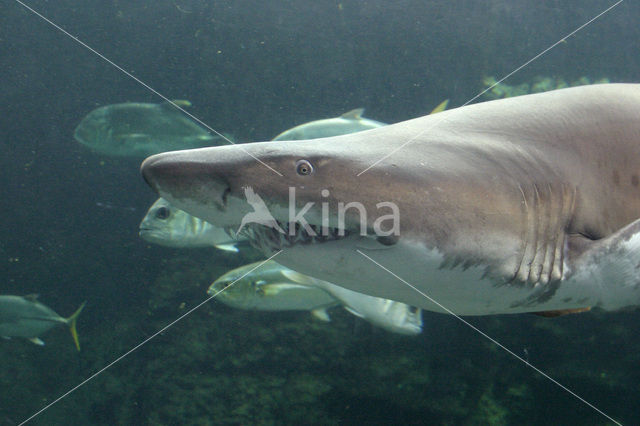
point(546, 211)
point(551, 235)
point(547, 229)
point(523, 236)
point(541, 224)
point(531, 232)
point(568, 208)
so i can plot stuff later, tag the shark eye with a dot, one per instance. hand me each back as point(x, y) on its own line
point(162, 213)
point(304, 168)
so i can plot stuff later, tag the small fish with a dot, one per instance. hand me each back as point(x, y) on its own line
point(24, 316)
point(274, 287)
point(268, 289)
point(168, 226)
point(136, 129)
point(349, 122)
point(389, 315)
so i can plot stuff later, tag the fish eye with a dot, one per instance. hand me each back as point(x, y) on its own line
point(162, 213)
point(304, 168)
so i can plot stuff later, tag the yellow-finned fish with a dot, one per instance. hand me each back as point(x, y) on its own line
point(349, 122)
point(135, 129)
point(24, 316)
point(267, 289)
point(390, 315)
point(274, 287)
point(169, 226)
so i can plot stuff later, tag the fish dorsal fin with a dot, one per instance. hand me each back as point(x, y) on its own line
point(354, 114)
point(31, 297)
point(560, 312)
point(441, 107)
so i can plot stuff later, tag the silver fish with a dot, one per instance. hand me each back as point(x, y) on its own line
point(267, 289)
point(396, 317)
point(349, 122)
point(274, 287)
point(169, 226)
point(24, 316)
point(136, 129)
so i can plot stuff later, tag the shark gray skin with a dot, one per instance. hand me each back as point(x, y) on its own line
point(525, 204)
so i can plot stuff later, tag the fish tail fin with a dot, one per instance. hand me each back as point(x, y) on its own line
point(71, 322)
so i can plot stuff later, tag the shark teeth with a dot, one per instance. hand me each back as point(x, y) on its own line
point(271, 239)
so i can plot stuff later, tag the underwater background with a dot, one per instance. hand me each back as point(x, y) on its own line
point(253, 69)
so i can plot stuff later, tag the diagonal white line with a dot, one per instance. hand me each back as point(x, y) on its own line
point(162, 330)
point(142, 83)
point(543, 52)
point(492, 340)
point(219, 134)
point(496, 83)
point(407, 142)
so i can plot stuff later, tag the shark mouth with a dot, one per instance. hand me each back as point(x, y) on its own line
point(271, 239)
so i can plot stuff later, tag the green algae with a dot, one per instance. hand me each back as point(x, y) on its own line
point(498, 90)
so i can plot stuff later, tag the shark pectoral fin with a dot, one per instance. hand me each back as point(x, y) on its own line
point(36, 341)
point(610, 268)
point(71, 321)
point(560, 312)
point(441, 107)
point(354, 114)
point(321, 314)
point(227, 247)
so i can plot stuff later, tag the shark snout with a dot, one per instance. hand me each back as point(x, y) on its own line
point(149, 170)
point(167, 171)
point(181, 175)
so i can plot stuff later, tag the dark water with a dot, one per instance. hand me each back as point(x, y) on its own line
point(253, 69)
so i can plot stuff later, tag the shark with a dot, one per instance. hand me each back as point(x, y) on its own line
point(524, 204)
